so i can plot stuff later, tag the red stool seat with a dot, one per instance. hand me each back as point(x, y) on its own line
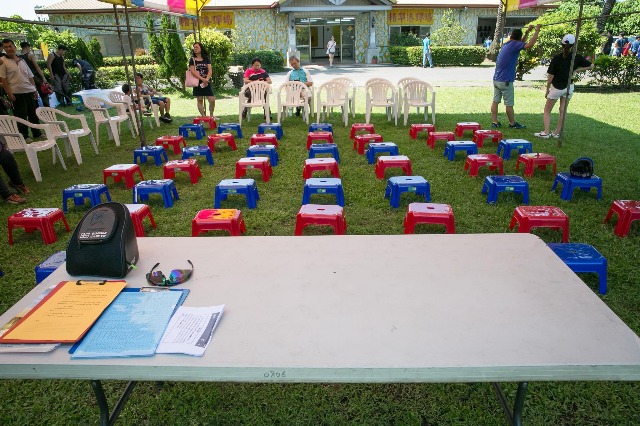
point(361, 127)
point(264, 138)
point(120, 171)
point(535, 160)
point(325, 163)
point(475, 161)
point(627, 211)
point(479, 136)
point(439, 136)
point(313, 137)
point(209, 120)
point(229, 220)
point(248, 163)
point(466, 125)
point(439, 214)
point(528, 217)
point(387, 161)
point(174, 141)
point(37, 218)
point(227, 138)
point(360, 141)
point(417, 128)
point(138, 212)
point(190, 166)
point(323, 215)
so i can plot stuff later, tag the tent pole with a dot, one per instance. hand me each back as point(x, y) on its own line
point(124, 55)
point(138, 116)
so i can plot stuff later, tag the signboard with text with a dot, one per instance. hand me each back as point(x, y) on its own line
point(410, 17)
point(220, 20)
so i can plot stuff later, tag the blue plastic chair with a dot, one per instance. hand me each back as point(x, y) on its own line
point(570, 183)
point(276, 127)
point(398, 184)
point(92, 191)
point(452, 147)
point(165, 187)
point(493, 185)
point(324, 148)
point(225, 127)
point(198, 129)
point(505, 147)
point(266, 149)
point(156, 152)
point(49, 265)
point(247, 187)
point(323, 186)
point(380, 148)
point(321, 127)
point(583, 258)
point(198, 151)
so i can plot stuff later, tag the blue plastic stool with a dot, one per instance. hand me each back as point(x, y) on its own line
point(507, 146)
point(380, 148)
point(321, 127)
point(157, 152)
point(323, 186)
point(198, 129)
point(583, 258)
point(198, 151)
point(398, 184)
point(50, 264)
point(247, 187)
point(164, 187)
point(92, 191)
point(276, 127)
point(452, 147)
point(493, 185)
point(268, 149)
point(324, 148)
point(570, 183)
point(222, 127)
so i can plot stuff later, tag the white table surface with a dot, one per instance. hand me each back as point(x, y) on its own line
point(401, 308)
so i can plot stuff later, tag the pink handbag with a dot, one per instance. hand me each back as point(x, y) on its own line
point(190, 80)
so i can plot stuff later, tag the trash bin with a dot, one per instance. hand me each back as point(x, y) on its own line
point(237, 78)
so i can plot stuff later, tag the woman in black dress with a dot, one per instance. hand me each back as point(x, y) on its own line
point(200, 67)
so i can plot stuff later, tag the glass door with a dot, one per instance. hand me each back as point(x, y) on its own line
point(347, 42)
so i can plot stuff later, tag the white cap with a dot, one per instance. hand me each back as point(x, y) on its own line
point(568, 39)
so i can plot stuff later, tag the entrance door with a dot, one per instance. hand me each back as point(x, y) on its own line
point(347, 42)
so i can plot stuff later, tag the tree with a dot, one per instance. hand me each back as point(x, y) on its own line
point(494, 49)
point(54, 39)
point(629, 23)
point(174, 57)
point(96, 53)
point(219, 47)
point(450, 31)
point(32, 32)
point(155, 47)
point(82, 51)
point(607, 7)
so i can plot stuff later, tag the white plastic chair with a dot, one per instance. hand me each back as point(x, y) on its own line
point(419, 94)
point(155, 109)
point(330, 95)
point(101, 116)
point(296, 95)
point(260, 91)
point(16, 142)
point(381, 93)
point(125, 107)
point(401, 83)
point(61, 130)
point(351, 93)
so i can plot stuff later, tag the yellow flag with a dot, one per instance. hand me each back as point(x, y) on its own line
point(45, 49)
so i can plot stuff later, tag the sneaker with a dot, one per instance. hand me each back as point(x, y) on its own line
point(298, 109)
point(517, 125)
point(555, 135)
point(542, 135)
point(15, 199)
point(164, 119)
point(496, 125)
point(22, 189)
point(28, 140)
point(244, 113)
point(167, 115)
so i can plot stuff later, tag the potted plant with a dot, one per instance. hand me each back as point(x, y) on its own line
point(374, 59)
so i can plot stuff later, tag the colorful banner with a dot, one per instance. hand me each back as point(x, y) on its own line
point(220, 20)
point(179, 7)
point(410, 17)
point(525, 4)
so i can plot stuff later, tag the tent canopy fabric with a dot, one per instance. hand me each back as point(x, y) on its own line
point(526, 4)
point(188, 8)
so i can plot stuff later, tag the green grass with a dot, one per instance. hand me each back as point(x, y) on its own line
point(595, 128)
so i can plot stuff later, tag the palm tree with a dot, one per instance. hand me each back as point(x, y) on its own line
point(497, 36)
point(607, 7)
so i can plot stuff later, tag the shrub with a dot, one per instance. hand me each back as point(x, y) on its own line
point(442, 56)
point(108, 77)
point(614, 72)
point(450, 32)
point(96, 53)
point(404, 39)
point(174, 55)
point(218, 46)
point(399, 55)
point(117, 61)
point(271, 60)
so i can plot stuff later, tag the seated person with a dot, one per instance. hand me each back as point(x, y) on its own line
point(299, 74)
point(126, 89)
point(164, 103)
point(10, 167)
point(254, 73)
point(87, 74)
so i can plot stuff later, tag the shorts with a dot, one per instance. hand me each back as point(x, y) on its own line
point(503, 89)
point(203, 91)
point(157, 99)
point(559, 93)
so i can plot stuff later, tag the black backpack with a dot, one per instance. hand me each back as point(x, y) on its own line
point(582, 167)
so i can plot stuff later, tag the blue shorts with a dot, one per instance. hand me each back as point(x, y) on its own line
point(157, 99)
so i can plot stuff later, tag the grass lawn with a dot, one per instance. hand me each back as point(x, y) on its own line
point(602, 126)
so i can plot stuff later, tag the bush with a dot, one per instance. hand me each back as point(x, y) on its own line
point(442, 56)
point(613, 72)
point(108, 77)
point(218, 46)
point(271, 60)
point(94, 48)
point(450, 32)
point(404, 39)
point(117, 61)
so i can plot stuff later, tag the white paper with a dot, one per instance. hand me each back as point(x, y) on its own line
point(190, 330)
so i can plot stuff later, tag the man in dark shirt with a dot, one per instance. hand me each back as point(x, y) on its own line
point(87, 74)
point(38, 75)
point(59, 75)
point(606, 48)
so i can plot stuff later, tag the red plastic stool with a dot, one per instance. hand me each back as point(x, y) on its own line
point(360, 141)
point(264, 138)
point(37, 218)
point(120, 171)
point(628, 211)
point(439, 214)
point(313, 137)
point(174, 141)
point(466, 125)
point(138, 212)
point(439, 136)
point(227, 138)
point(247, 163)
point(325, 163)
point(529, 217)
point(535, 160)
point(417, 128)
point(475, 161)
point(209, 120)
point(480, 135)
point(361, 127)
point(387, 161)
point(323, 215)
point(190, 166)
point(229, 220)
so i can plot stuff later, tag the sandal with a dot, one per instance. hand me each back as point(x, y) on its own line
point(542, 135)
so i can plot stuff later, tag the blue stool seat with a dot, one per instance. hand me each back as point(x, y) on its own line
point(493, 185)
point(380, 148)
point(323, 186)
point(92, 191)
point(225, 127)
point(452, 147)
point(47, 267)
point(398, 184)
point(570, 183)
point(505, 147)
point(321, 127)
point(264, 149)
point(157, 152)
point(583, 258)
point(324, 148)
point(198, 129)
point(165, 187)
point(247, 187)
point(197, 151)
point(276, 127)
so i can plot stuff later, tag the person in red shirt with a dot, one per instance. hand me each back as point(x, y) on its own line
point(254, 73)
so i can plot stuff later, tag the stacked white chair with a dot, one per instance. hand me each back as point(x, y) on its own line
point(125, 106)
point(61, 130)
point(260, 92)
point(296, 95)
point(330, 95)
point(351, 93)
point(401, 83)
point(381, 93)
point(419, 94)
point(101, 116)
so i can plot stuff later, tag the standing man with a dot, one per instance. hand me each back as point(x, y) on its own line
point(87, 74)
point(59, 75)
point(505, 74)
point(17, 81)
point(606, 47)
point(299, 74)
point(38, 75)
point(426, 51)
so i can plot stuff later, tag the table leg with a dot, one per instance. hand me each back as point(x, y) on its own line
point(513, 417)
point(107, 419)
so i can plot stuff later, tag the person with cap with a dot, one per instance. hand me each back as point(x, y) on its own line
point(87, 73)
point(38, 76)
point(59, 75)
point(558, 75)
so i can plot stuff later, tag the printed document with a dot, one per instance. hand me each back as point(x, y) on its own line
point(190, 330)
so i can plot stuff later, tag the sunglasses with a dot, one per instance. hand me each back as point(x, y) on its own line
point(176, 276)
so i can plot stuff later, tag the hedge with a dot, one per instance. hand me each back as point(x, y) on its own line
point(271, 60)
point(615, 72)
point(108, 77)
point(117, 61)
point(442, 56)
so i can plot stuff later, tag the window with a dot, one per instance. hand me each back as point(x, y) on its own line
point(110, 45)
point(421, 30)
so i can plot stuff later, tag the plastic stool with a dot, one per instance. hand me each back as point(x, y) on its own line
point(156, 152)
point(196, 152)
point(323, 186)
point(229, 220)
point(276, 127)
point(452, 147)
point(627, 211)
point(261, 138)
point(417, 128)
point(319, 136)
point(190, 166)
point(92, 191)
point(493, 185)
point(262, 149)
point(49, 265)
point(247, 187)
point(570, 183)
point(209, 120)
point(398, 184)
point(360, 141)
point(466, 125)
point(324, 148)
point(479, 136)
point(439, 136)
point(381, 148)
point(475, 161)
point(528, 217)
point(231, 126)
point(138, 212)
point(197, 129)
point(361, 127)
point(174, 141)
point(388, 161)
point(37, 218)
point(583, 258)
point(323, 127)
point(165, 187)
point(247, 163)
point(322, 215)
point(535, 160)
point(439, 214)
point(314, 164)
point(227, 138)
point(509, 145)
point(122, 171)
